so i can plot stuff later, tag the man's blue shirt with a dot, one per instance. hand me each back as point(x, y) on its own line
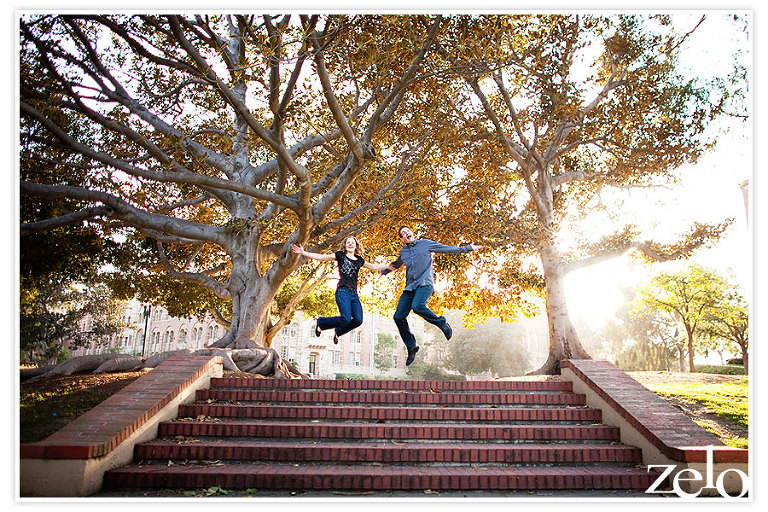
point(417, 258)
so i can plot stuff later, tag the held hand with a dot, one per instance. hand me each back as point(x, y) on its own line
point(297, 249)
point(475, 246)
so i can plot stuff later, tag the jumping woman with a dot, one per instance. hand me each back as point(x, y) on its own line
point(350, 260)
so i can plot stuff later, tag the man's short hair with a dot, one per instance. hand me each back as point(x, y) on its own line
point(401, 228)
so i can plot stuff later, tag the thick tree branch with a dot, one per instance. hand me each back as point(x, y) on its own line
point(31, 228)
point(193, 277)
point(129, 214)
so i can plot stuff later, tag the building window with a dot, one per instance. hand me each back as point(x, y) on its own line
point(359, 336)
point(283, 352)
point(336, 358)
point(168, 339)
point(357, 358)
point(183, 337)
point(213, 332)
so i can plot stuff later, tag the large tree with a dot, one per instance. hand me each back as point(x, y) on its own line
point(557, 111)
point(213, 143)
point(728, 324)
point(691, 295)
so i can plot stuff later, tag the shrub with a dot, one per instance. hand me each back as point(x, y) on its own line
point(719, 369)
point(351, 376)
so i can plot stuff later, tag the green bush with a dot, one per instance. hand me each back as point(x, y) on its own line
point(721, 369)
point(351, 376)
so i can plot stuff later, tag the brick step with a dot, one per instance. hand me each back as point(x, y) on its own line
point(356, 413)
point(326, 430)
point(377, 397)
point(391, 453)
point(376, 478)
point(396, 385)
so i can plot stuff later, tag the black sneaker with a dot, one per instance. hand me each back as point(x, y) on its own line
point(318, 331)
point(411, 355)
point(447, 331)
point(335, 339)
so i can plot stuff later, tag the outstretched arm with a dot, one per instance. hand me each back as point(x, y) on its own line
point(450, 249)
point(313, 255)
point(375, 266)
point(392, 266)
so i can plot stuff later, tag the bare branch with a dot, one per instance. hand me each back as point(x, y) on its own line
point(31, 228)
point(193, 277)
point(129, 214)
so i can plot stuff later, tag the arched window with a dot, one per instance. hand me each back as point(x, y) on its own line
point(168, 341)
point(155, 344)
point(183, 336)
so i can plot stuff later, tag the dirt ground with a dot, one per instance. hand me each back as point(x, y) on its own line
point(48, 404)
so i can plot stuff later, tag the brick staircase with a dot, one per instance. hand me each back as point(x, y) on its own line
point(371, 435)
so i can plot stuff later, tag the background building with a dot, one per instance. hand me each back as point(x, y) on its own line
point(312, 355)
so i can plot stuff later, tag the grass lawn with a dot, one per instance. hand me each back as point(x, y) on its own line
point(728, 400)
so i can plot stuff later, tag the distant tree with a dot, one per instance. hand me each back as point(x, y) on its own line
point(691, 296)
point(386, 344)
point(728, 323)
point(57, 314)
point(643, 338)
point(488, 347)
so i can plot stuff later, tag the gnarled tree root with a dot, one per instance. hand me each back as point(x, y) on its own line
point(259, 360)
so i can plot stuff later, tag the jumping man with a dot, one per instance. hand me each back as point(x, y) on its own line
point(416, 255)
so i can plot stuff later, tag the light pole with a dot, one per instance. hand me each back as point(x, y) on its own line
point(147, 311)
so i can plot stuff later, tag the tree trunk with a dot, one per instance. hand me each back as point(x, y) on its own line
point(689, 332)
point(252, 295)
point(744, 358)
point(681, 357)
point(563, 340)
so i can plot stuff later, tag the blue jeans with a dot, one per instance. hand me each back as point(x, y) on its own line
point(416, 301)
point(350, 312)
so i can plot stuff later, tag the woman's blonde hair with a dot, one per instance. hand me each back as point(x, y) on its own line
point(359, 249)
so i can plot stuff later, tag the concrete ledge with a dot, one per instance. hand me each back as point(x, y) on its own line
point(73, 460)
point(666, 435)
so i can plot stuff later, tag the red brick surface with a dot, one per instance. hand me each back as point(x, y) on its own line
point(103, 428)
point(377, 397)
point(394, 385)
point(474, 432)
point(413, 413)
point(670, 430)
point(347, 452)
point(375, 435)
point(404, 478)
point(386, 435)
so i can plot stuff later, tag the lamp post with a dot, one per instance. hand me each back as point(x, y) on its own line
point(147, 311)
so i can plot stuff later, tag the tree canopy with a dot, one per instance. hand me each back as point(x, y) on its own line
point(556, 111)
point(207, 145)
point(210, 144)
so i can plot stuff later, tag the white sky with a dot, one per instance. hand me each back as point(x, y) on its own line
point(709, 191)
